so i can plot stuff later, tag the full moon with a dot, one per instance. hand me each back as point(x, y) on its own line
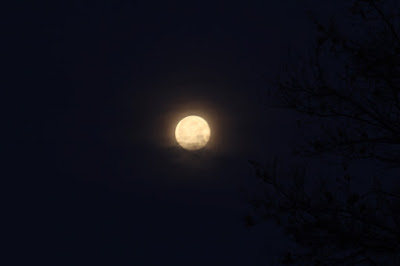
point(192, 133)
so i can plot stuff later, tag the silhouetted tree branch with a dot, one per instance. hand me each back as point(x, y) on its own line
point(350, 86)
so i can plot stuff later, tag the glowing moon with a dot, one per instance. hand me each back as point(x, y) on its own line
point(192, 133)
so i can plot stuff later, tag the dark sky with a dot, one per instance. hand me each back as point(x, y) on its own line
point(103, 84)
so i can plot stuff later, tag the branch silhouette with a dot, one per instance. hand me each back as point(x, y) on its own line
point(350, 88)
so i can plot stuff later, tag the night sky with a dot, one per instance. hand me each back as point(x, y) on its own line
point(102, 85)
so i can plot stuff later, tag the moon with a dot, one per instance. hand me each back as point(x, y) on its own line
point(192, 133)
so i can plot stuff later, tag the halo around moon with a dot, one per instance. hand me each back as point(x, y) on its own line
point(192, 133)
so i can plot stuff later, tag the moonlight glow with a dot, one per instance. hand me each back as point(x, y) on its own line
point(192, 133)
